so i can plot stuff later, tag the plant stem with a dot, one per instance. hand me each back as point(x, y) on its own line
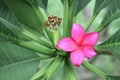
point(94, 69)
point(69, 7)
point(65, 17)
point(42, 19)
point(40, 15)
point(46, 72)
point(90, 22)
point(70, 17)
point(54, 66)
point(41, 72)
point(68, 71)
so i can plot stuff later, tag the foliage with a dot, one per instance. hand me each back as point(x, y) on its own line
point(14, 63)
point(111, 45)
point(25, 39)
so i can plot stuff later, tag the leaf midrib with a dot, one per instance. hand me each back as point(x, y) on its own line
point(108, 20)
point(115, 14)
point(106, 45)
point(8, 37)
point(20, 62)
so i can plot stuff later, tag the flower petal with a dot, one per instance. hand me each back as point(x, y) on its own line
point(89, 51)
point(67, 44)
point(77, 33)
point(90, 39)
point(77, 57)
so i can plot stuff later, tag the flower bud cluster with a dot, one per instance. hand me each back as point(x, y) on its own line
point(53, 21)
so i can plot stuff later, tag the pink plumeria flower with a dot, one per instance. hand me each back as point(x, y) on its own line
point(80, 44)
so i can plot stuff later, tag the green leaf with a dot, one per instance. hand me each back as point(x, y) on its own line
point(6, 14)
point(112, 45)
point(37, 37)
point(65, 17)
point(80, 4)
point(49, 35)
point(5, 34)
point(25, 33)
point(10, 33)
point(25, 13)
point(14, 29)
point(35, 4)
point(40, 73)
point(17, 63)
point(94, 69)
point(49, 70)
point(32, 45)
point(71, 9)
point(8, 38)
point(69, 6)
point(69, 73)
point(112, 14)
point(40, 8)
point(99, 5)
point(113, 77)
point(69, 2)
point(38, 11)
point(41, 3)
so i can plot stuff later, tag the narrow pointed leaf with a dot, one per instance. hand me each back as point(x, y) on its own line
point(65, 17)
point(49, 35)
point(69, 2)
point(9, 33)
point(69, 6)
point(41, 15)
point(112, 14)
point(34, 35)
point(39, 9)
point(5, 33)
point(47, 72)
point(112, 45)
point(97, 8)
point(23, 33)
point(8, 38)
point(94, 69)
point(69, 73)
point(101, 4)
point(113, 77)
point(40, 73)
point(32, 45)
point(25, 13)
point(6, 14)
point(80, 4)
point(41, 3)
point(12, 28)
point(17, 63)
point(53, 67)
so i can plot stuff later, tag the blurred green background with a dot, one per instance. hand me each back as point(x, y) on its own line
point(106, 63)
